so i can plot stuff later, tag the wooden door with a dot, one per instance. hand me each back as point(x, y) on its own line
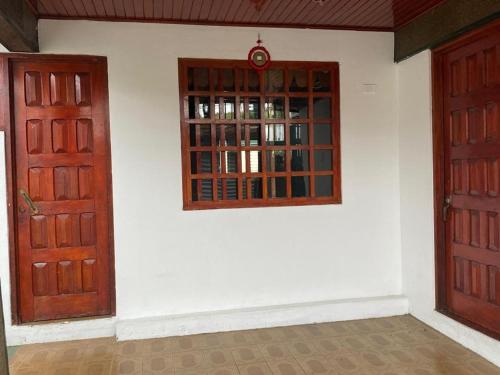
point(471, 167)
point(62, 182)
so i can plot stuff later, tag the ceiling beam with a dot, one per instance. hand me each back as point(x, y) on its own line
point(441, 24)
point(18, 26)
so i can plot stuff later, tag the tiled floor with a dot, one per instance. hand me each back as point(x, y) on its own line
point(398, 345)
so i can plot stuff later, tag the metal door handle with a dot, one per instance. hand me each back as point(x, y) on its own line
point(446, 207)
point(29, 202)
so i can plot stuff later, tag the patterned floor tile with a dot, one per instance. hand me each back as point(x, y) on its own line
point(386, 346)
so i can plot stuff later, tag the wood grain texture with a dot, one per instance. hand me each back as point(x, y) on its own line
point(230, 121)
point(466, 84)
point(382, 15)
point(65, 252)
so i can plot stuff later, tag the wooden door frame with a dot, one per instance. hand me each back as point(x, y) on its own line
point(439, 169)
point(7, 124)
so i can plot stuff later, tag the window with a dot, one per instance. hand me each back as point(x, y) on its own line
point(259, 139)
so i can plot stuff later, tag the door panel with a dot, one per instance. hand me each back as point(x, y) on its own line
point(471, 96)
point(63, 165)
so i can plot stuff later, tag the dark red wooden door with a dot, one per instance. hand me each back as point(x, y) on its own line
point(64, 246)
point(471, 103)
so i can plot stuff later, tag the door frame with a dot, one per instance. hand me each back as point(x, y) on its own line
point(439, 169)
point(7, 124)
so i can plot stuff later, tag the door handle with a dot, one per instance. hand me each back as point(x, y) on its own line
point(29, 202)
point(446, 207)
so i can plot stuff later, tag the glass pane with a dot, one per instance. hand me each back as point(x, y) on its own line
point(254, 135)
point(231, 162)
point(192, 135)
point(253, 80)
point(201, 190)
point(243, 136)
point(254, 108)
point(322, 134)
point(256, 188)
point(201, 162)
point(323, 186)
point(225, 108)
point(300, 186)
point(323, 160)
point(255, 162)
point(321, 81)
point(273, 80)
point(243, 156)
point(199, 107)
point(230, 133)
point(224, 80)
point(276, 187)
point(275, 134)
point(298, 80)
point(205, 135)
point(276, 161)
point(298, 108)
point(250, 108)
point(274, 108)
point(231, 188)
point(300, 160)
point(322, 107)
point(244, 188)
point(198, 79)
point(230, 159)
point(299, 134)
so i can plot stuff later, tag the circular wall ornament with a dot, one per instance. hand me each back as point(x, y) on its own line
point(259, 57)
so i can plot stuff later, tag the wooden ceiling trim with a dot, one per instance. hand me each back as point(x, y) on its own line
point(297, 12)
point(267, 13)
point(343, 20)
point(90, 8)
point(168, 6)
point(246, 8)
point(205, 10)
point(403, 18)
point(47, 8)
point(148, 9)
point(108, 7)
point(383, 16)
point(128, 7)
point(283, 16)
point(99, 7)
point(138, 8)
point(216, 7)
point(235, 5)
point(301, 14)
point(378, 15)
point(337, 9)
point(177, 9)
point(371, 8)
point(316, 12)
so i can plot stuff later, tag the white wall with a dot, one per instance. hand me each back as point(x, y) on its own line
point(417, 215)
point(170, 261)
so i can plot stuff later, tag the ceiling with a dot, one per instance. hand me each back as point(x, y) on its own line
point(383, 15)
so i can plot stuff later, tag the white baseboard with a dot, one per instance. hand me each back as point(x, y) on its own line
point(262, 317)
point(61, 331)
point(476, 341)
point(216, 321)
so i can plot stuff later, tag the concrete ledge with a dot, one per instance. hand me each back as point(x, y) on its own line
point(216, 321)
point(262, 317)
